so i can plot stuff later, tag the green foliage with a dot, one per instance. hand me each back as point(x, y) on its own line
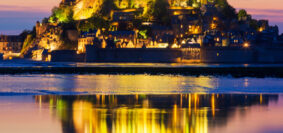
point(45, 20)
point(27, 43)
point(227, 11)
point(25, 33)
point(131, 3)
point(222, 3)
point(161, 12)
point(190, 2)
point(29, 37)
point(62, 15)
point(148, 11)
point(242, 14)
point(106, 7)
point(95, 22)
point(67, 43)
point(254, 25)
point(143, 34)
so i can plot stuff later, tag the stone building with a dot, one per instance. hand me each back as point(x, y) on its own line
point(48, 35)
point(86, 38)
point(10, 44)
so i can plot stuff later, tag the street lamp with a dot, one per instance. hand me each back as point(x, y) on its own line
point(246, 45)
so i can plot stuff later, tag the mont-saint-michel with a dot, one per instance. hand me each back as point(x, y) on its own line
point(208, 31)
point(141, 66)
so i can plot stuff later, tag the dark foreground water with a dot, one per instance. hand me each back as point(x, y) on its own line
point(74, 103)
point(180, 113)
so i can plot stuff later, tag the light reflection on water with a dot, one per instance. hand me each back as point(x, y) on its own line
point(194, 113)
point(140, 104)
point(136, 84)
point(178, 113)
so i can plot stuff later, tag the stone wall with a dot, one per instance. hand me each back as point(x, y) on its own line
point(242, 55)
point(66, 56)
point(153, 55)
point(228, 55)
point(270, 55)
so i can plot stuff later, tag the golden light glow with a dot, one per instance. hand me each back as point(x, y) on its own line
point(261, 29)
point(213, 26)
point(84, 9)
point(181, 8)
point(213, 104)
point(88, 117)
point(246, 45)
point(141, 113)
point(175, 46)
point(163, 45)
point(215, 18)
point(194, 29)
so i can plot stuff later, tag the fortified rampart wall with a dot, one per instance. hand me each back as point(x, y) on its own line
point(241, 55)
point(153, 55)
point(227, 55)
point(66, 56)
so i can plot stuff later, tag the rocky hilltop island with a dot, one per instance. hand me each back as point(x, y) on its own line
point(147, 24)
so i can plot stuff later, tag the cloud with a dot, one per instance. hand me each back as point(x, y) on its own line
point(275, 15)
point(13, 22)
point(21, 8)
point(22, 14)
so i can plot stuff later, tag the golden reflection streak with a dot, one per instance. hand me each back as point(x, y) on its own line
point(144, 84)
point(195, 101)
point(260, 99)
point(89, 115)
point(213, 104)
point(141, 120)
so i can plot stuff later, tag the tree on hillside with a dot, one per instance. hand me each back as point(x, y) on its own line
point(64, 37)
point(106, 7)
point(242, 14)
point(161, 12)
point(96, 22)
point(221, 3)
point(130, 3)
point(62, 14)
point(228, 12)
point(190, 2)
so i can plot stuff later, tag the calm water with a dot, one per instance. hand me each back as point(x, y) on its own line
point(70, 84)
point(30, 63)
point(180, 113)
point(140, 104)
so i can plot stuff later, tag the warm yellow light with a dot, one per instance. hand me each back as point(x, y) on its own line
point(261, 29)
point(162, 45)
point(52, 47)
point(217, 39)
point(246, 45)
point(213, 26)
point(175, 46)
point(215, 18)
